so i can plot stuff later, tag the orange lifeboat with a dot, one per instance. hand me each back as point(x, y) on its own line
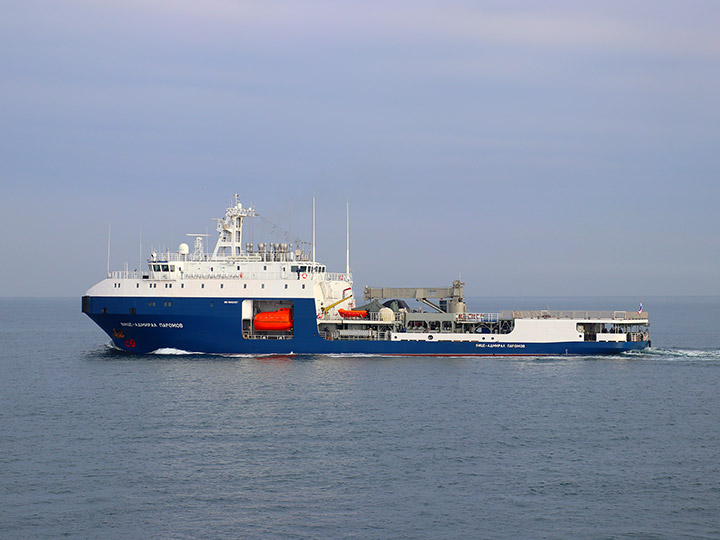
point(274, 321)
point(352, 313)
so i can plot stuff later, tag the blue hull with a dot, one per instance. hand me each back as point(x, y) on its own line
point(214, 325)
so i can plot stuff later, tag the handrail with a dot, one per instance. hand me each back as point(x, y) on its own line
point(373, 316)
point(592, 315)
point(266, 256)
point(477, 317)
point(146, 274)
point(336, 276)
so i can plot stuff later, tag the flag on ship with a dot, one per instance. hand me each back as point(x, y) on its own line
point(640, 310)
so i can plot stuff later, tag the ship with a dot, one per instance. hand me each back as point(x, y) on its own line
point(274, 298)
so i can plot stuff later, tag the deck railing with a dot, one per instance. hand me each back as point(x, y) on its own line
point(477, 317)
point(326, 276)
point(371, 316)
point(591, 315)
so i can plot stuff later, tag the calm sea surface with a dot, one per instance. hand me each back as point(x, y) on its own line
point(97, 444)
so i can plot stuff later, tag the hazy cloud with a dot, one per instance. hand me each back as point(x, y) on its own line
point(536, 148)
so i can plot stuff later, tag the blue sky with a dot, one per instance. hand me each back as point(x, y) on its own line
point(554, 148)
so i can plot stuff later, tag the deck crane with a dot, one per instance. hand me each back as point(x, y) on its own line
point(454, 295)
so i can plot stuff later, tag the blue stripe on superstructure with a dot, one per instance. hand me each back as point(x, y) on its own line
point(214, 325)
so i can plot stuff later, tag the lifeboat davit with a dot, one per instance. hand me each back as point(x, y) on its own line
point(352, 313)
point(275, 321)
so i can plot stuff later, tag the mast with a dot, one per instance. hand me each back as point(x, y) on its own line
point(229, 243)
point(313, 230)
point(347, 237)
point(108, 257)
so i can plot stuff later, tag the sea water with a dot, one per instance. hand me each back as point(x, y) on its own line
point(95, 443)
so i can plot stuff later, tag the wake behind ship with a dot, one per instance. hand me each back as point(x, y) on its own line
point(274, 299)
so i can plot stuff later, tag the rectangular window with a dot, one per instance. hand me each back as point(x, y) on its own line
point(165, 268)
point(244, 285)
